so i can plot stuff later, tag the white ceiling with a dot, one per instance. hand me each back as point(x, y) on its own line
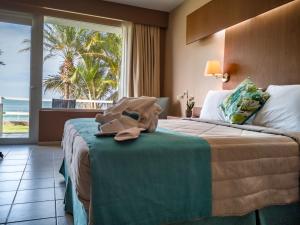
point(162, 5)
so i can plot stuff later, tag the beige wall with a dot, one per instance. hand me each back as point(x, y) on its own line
point(185, 64)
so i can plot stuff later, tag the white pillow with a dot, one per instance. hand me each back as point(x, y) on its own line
point(282, 110)
point(210, 109)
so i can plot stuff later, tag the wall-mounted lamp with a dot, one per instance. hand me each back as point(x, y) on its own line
point(213, 69)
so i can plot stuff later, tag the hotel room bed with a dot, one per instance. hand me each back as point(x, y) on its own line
point(252, 167)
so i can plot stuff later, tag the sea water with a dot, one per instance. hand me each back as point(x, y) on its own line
point(19, 106)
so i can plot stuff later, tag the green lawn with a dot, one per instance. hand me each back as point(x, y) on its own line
point(11, 128)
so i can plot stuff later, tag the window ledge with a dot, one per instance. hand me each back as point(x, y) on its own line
point(70, 110)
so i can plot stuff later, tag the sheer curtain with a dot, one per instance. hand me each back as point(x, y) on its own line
point(126, 66)
point(140, 74)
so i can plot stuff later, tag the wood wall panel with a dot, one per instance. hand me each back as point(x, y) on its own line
point(221, 14)
point(266, 48)
point(86, 8)
point(52, 121)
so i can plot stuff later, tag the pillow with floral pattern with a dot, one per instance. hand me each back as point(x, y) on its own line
point(244, 102)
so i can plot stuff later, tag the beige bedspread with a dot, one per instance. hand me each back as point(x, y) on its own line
point(252, 167)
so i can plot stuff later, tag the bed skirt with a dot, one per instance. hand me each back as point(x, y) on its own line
point(274, 215)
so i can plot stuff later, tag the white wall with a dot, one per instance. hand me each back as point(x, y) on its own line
point(185, 64)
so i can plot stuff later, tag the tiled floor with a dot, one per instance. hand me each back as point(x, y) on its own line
point(31, 188)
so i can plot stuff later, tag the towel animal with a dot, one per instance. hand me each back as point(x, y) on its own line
point(138, 113)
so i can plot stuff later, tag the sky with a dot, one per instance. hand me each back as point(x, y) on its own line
point(15, 75)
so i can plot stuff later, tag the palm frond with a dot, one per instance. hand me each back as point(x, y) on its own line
point(53, 82)
point(91, 62)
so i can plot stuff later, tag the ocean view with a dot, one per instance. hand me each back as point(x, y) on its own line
point(17, 110)
point(18, 106)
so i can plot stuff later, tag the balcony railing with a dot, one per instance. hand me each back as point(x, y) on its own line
point(22, 114)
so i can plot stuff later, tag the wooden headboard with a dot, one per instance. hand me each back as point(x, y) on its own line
point(265, 48)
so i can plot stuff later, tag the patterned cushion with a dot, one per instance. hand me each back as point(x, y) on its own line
point(245, 101)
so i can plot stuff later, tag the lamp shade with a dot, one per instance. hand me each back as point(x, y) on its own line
point(213, 68)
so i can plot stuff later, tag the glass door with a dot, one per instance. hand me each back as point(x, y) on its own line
point(16, 78)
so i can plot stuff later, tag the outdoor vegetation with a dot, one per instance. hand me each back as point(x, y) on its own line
point(89, 68)
point(91, 62)
point(15, 127)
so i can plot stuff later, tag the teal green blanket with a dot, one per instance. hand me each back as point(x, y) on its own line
point(160, 178)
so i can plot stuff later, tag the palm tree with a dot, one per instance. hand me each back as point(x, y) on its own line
point(92, 50)
point(66, 42)
point(1, 63)
point(91, 62)
point(92, 79)
point(103, 55)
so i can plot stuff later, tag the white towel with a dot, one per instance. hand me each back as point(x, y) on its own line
point(128, 134)
point(129, 113)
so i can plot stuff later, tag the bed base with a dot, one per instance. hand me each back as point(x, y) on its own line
point(274, 215)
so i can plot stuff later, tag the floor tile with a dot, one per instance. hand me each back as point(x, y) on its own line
point(11, 169)
point(37, 175)
point(6, 198)
point(18, 157)
point(19, 153)
point(60, 208)
point(60, 193)
point(4, 213)
point(35, 195)
point(38, 162)
point(32, 211)
point(58, 164)
point(56, 171)
point(8, 162)
point(50, 221)
point(10, 176)
point(66, 220)
point(36, 183)
point(60, 182)
point(31, 168)
point(38, 167)
point(40, 185)
point(41, 153)
point(58, 175)
point(9, 185)
point(40, 157)
point(58, 156)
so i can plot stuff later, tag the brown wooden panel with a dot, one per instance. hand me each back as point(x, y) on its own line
point(52, 121)
point(266, 48)
point(220, 14)
point(87, 8)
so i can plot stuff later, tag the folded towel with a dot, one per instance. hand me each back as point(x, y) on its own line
point(105, 118)
point(117, 125)
point(128, 134)
point(133, 115)
point(129, 113)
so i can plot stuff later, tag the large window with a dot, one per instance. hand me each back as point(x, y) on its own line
point(81, 64)
point(14, 78)
point(53, 63)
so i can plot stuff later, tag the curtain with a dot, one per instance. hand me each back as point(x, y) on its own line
point(126, 65)
point(145, 77)
point(140, 70)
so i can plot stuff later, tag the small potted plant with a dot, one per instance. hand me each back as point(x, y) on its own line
point(190, 103)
